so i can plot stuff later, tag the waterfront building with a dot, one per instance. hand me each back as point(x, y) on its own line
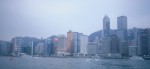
point(114, 44)
point(69, 41)
point(133, 41)
point(144, 42)
point(39, 49)
point(105, 48)
point(49, 46)
point(53, 44)
point(132, 50)
point(61, 45)
point(17, 46)
point(5, 48)
point(124, 49)
point(83, 44)
point(92, 49)
point(76, 43)
point(122, 35)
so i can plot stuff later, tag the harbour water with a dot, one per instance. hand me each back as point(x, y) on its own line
point(72, 63)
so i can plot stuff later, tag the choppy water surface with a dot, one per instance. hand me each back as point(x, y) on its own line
point(72, 63)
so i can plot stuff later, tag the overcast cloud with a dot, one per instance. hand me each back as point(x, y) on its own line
point(43, 18)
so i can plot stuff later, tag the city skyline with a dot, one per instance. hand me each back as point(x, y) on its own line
point(45, 18)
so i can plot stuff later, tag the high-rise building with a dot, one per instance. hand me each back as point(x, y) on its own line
point(122, 22)
point(132, 50)
point(17, 46)
point(106, 26)
point(114, 44)
point(39, 49)
point(132, 36)
point(51, 45)
point(69, 41)
point(75, 48)
point(105, 48)
point(48, 46)
point(122, 27)
point(144, 42)
point(5, 48)
point(122, 35)
point(133, 41)
point(105, 41)
point(92, 49)
point(124, 49)
point(83, 44)
point(76, 42)
point(27, 43)
point(61, 45)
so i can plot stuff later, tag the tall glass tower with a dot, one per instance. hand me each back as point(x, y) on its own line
point(122, 35)
point(122, 27)
point(106, 26)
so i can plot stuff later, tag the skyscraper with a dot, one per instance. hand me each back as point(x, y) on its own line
point(39, 48)
point(76, 42)
point(122, 27)
point(61, 43)
point(17, 46)
point(114, 44)
point(105, 46)
point(83, 44)
point(122, 35)
point(144, 42)
point(69, 41)
point(106, 26)
point(122, 22)
point(5, 48)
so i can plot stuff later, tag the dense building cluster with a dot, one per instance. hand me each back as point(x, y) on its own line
point(122, 42)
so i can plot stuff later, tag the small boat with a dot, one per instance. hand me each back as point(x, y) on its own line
point(136, 58)
point(11, 58)
point(146, 57)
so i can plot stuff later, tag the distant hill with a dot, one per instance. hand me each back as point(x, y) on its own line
point(95, 34)
point(99, 34)
point(1, 41)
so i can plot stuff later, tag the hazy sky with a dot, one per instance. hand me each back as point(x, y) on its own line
point(43, 18)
